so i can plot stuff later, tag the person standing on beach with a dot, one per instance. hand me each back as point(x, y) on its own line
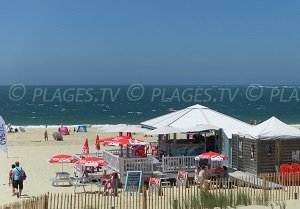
point(10, 179)
point(46, 135)
point(18, 176)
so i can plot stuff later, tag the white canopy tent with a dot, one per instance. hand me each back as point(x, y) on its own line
point(272, 128)
point(201, 127)
point(197, 115)
point(165, 130)
point(124, 128)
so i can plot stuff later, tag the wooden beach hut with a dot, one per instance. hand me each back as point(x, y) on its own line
point(263, 148)
point(216, 138)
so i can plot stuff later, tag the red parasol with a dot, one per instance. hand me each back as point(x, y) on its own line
point(62, 159)
point(117, 141)
point(214, 156)
point(97, 143)
point(92, 161)
point(85, 148)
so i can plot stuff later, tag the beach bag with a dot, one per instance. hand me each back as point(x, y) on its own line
point(23, 175)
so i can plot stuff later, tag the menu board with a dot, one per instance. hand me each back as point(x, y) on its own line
point(181, 178)
point(133, 181)
point(154, 184)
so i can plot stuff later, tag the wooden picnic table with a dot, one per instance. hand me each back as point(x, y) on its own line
point(61, 177)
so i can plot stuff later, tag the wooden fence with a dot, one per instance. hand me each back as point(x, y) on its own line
point(216, 193)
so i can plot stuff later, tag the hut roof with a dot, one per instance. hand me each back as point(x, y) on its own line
point(272, 128)
point(197, 115)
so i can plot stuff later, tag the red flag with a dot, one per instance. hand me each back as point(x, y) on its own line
point(85, 148)
point(97, 143)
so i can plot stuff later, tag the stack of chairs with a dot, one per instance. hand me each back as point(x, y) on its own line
point(290, 174)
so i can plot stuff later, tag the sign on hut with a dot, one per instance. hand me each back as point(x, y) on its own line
point(133, 181)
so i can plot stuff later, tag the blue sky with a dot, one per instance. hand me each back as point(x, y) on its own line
point(149, 42)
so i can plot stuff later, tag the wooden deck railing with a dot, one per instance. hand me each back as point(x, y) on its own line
point(183, 163)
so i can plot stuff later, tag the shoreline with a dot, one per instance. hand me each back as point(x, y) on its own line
point(72, 126)
point(297, 125)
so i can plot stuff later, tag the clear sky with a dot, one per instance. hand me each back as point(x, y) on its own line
point(149, 42)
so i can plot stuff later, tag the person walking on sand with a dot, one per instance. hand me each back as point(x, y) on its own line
point(10, 179)
point(18, 176)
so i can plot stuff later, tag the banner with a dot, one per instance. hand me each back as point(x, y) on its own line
point(3, 140)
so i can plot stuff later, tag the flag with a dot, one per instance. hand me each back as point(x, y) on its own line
point(3, 140)
point(97, 143)
point(85, 148)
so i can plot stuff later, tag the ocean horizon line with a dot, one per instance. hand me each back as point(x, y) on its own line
point(154, 85)
point(90, 125)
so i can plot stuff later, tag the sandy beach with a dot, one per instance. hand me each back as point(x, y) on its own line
point(30, 149)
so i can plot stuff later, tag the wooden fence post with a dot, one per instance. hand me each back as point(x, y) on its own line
point(144, 198)
point(175, 204)
point(264, 187)
point(46, 199)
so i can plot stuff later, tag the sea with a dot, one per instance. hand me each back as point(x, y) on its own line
point(52, 105)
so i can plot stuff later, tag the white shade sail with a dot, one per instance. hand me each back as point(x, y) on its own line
point(195, 115)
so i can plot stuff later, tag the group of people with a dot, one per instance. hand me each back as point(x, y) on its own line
point(204, 173)
point(10, 129)
point(16, 177)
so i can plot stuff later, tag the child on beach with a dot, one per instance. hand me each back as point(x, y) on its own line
point(10, 179)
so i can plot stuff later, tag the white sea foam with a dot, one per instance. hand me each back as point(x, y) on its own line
point(171, 110)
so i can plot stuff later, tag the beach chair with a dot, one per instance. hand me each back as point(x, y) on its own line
point(76, 182)
point(284, 172)
point(294, 170)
